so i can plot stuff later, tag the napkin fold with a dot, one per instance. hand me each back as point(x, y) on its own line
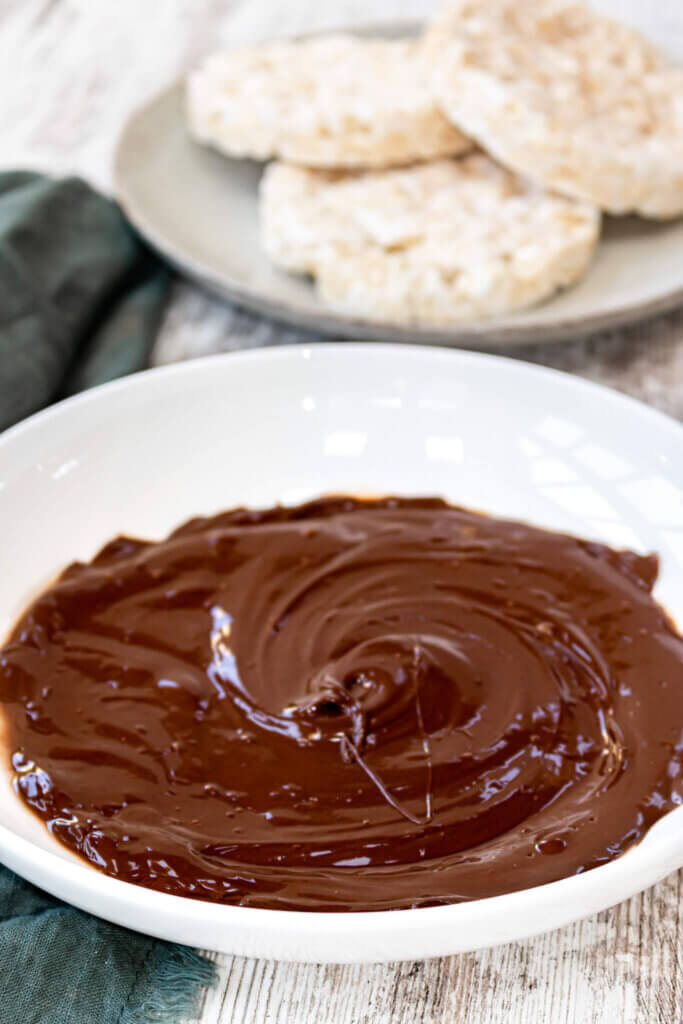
point(80, 302)
point(80, 295)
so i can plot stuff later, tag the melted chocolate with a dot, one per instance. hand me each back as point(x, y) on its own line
point(349, 705)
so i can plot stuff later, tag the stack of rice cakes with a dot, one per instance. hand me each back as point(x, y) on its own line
point(456, 177)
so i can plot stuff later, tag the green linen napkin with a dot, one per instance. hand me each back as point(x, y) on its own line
point(61, 966)
point(80, 295)
point(80, 301)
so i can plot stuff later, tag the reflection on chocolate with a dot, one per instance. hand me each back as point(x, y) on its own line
point(348, 705)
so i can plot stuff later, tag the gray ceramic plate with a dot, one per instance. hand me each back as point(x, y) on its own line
point(199, 209)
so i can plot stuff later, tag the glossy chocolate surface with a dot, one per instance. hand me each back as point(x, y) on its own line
point(350, 705)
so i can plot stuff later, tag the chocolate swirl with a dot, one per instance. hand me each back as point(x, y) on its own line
point(348, 705)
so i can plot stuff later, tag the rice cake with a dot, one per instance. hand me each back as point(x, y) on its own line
point(573, 99)
point(330, 101)
point(447, 241)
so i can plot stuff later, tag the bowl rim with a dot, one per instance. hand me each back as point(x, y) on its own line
point(308, 349)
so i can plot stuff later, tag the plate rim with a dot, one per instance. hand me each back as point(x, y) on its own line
point(497, 332)
point(221, 925)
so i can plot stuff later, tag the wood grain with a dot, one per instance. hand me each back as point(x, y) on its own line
point(623, 965)
point(71, 71)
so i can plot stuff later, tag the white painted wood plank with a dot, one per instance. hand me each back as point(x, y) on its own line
point(622, 966)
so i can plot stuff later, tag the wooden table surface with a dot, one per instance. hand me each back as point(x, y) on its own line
point(70, 73)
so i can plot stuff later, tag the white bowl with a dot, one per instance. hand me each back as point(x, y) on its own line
point(143, 454)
